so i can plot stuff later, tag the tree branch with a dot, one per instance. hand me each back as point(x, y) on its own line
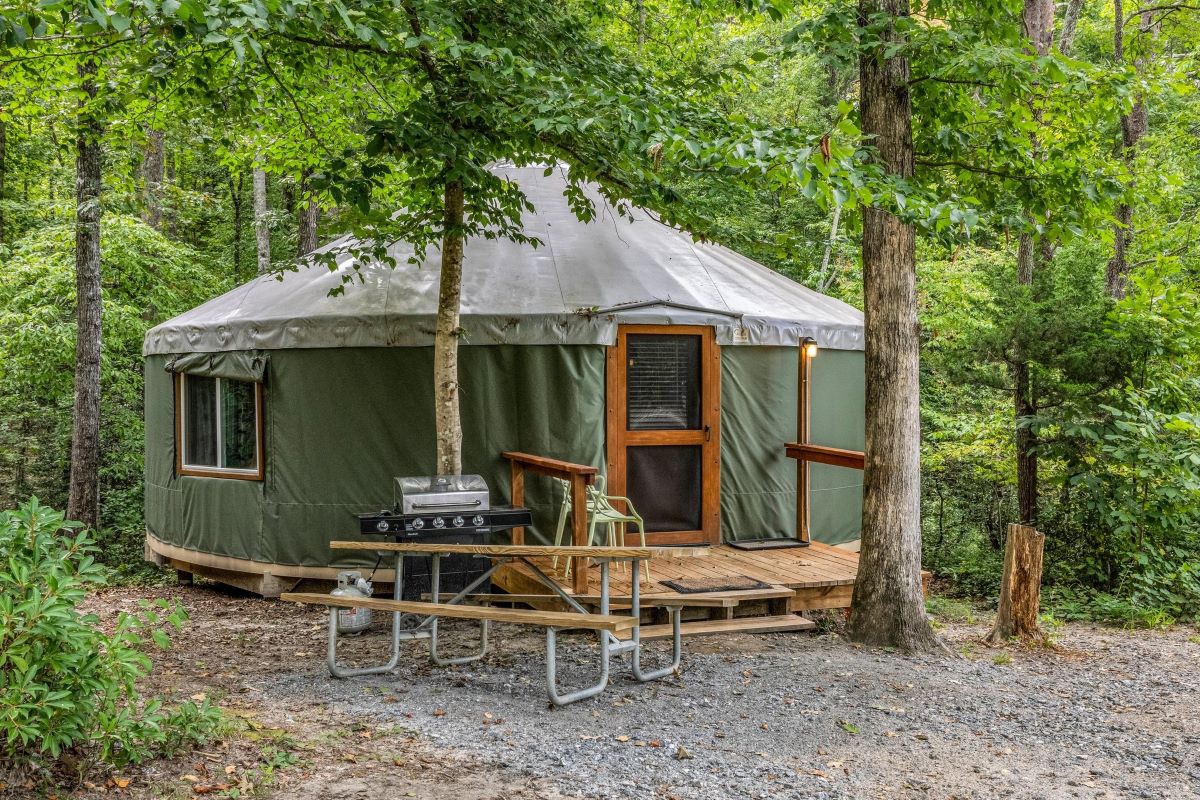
point(971, 168)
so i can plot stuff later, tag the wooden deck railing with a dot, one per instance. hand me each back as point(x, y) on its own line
point(806, 453)
point(579, 476)
point(836, 456)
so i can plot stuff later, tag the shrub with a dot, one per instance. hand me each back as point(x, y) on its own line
point(67, 686)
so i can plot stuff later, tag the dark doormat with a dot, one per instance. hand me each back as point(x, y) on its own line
point(767, 544)
point(731, 583)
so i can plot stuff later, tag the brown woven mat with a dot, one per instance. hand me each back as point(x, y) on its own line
point(732, 583)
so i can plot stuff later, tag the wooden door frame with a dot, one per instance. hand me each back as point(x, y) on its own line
point(618, 437)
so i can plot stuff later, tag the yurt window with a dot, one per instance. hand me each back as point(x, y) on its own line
point(219, 427)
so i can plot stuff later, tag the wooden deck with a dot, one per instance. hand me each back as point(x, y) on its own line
point(800, 579)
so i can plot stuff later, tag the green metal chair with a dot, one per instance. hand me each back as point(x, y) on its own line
point(600, 511)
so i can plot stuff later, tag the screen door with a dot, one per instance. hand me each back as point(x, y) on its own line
point(663, 437)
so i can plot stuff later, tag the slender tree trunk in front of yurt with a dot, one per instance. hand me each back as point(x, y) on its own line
point(888, 604)
point(83, 496)
point(447, 417)
point(262, 222)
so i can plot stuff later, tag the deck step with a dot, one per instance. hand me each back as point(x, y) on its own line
point(774, 624)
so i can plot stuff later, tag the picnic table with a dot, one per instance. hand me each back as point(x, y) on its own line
point(605, 624)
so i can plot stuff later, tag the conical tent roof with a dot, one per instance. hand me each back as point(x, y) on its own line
point(576, 288)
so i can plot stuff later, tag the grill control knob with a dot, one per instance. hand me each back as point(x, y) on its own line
point(459, 522)
point(477, 520)
point(438, 522)
point(418, 523)
point(382, 526)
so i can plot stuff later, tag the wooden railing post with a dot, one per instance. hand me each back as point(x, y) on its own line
point(518, 497)
point(579, 569)
point(803, 431)
point(579, 476)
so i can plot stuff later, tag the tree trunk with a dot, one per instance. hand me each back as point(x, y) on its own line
point(1020, 588)
point(445, 343)
point(237, 191)
point(152, 172)
point(1133, 127)
point(1066, 37)
point(310, 214)
point(1024, 405)
point(824, 279)
point(83, 498)
point(888, 603)
point(3, 171)
point(262, 222)
point(1037, 25)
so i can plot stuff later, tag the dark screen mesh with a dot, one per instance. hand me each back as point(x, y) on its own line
point(664, 483)
point(663, 382)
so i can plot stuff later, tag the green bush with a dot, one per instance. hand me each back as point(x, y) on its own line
point(67, 686)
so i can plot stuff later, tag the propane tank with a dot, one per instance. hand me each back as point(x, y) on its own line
point(352, 584)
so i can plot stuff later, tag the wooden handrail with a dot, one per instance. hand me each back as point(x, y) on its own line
point(580, 476)
point(852, 459)
point(552, 466)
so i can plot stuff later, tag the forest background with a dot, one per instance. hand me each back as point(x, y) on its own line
point(1058, 269)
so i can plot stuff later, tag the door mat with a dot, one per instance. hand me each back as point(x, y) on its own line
point(767, 544)
point(732, 583)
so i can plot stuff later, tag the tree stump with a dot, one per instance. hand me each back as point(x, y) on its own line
point(1020, 588)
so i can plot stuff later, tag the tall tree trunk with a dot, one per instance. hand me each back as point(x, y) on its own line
point(310, 214)
point(1037, 25)
point(448, 420)
point(1024, 404)
point(1066, 36)
point(83, 498)
point(262, 222)
point(237, 190)
point(3, 171)
point(888, 604)
point(824, 279)
point(152, 174)
point(1133, 127)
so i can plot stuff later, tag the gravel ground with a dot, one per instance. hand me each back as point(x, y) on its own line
point(1106, 714)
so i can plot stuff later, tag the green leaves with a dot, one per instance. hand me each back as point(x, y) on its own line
point(64, 682)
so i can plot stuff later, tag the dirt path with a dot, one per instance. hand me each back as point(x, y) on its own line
point(1109, 714)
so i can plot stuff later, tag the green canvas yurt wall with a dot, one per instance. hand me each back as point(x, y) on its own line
point(758, 414)
point(340, 423)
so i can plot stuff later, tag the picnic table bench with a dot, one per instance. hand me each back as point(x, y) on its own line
point(605, 624)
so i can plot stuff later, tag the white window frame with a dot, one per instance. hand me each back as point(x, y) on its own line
point(206, 470)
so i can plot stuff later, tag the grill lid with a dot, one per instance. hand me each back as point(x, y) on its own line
point(435, 493)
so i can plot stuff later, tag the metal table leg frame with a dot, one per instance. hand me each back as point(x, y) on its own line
point(636, 637)
point(434, 587)
point(552, 652)
point(331, 655)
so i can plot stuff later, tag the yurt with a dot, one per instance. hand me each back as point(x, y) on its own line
point(280, 410)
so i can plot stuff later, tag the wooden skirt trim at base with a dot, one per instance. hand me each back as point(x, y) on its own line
point(260, 577)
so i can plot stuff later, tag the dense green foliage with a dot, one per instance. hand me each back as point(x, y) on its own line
point(66, 685)
point(738, 120)
point(148, 278)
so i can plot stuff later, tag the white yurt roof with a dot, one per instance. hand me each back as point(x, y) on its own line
point(583, 281)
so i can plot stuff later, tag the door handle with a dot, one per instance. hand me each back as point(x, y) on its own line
point(707, 433)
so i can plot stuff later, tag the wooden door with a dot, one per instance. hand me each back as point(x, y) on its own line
point(664, 432)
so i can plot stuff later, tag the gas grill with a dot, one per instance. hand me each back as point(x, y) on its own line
point(440, 504)
point(443, 509)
